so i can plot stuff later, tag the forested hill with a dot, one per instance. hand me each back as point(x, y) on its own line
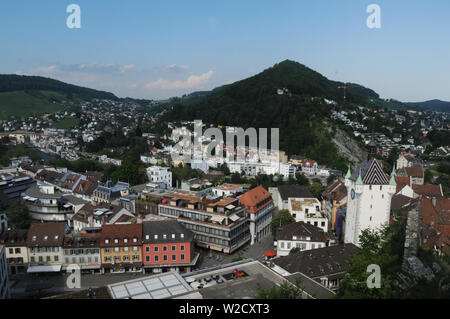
point(434, 105)
point(11, 83)
point(299, 113)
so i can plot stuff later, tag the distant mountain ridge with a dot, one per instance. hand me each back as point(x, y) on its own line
point(12, 82)
point(435, 105)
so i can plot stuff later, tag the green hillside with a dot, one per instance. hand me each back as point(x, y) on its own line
point(34, 95)
point(299, 115)
point(28, 103)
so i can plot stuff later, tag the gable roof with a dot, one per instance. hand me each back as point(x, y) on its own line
point(319, 262)
point(301, 229)
point(427, 190)
point(46, 234)
point(414, 171)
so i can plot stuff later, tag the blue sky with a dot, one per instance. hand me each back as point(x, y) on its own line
point(163, 48)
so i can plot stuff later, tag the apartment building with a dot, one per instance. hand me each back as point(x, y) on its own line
point(167, 246)
point(160, 175)
point(16, 249)
point(259, 206)
point(121, 248)
point(82, 250)
point(45, 242)
point(218, 223)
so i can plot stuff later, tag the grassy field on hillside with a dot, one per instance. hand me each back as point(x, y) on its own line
point(28, 103)
point(66, 123)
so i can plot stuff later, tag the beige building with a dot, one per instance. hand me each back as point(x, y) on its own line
point(14, 242)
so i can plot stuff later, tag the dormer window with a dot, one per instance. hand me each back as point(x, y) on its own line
point(156, 236)
point(173, 236)
point(147, 236)
point(182, 235)
point(134, 240)
point(34, 238)
point(106, 241)
point(116, 241)
point(165, 236)
point(125, 240)
point(45, 237)
point(56, 237)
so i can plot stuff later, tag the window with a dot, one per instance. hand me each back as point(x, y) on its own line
point(182, 247)
point(45, 237)
point(116, 241)
point(48, 258)
point(11, 251)
point(106, 241)
point(147, 258)
point(182, 235)
point(147, 237)
point(174, 248)
point(174, 257)
point(125, 249)
point(134, 240)
point(34, 238)
point(173, 236)
point(107, 258)
point(156, 258)
point(156, 249)
point(164, 248)
point(126, 258)
point(116, 258)
point(135, 248)
point(107, 250)
point(165, 258)
point(156, 236)
point(165, 236)
point(125, 240)
point(182, 257)
point(32, 259)
point(116, 249)
point(147, 249)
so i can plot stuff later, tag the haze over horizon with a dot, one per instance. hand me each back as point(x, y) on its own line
point(162, 49)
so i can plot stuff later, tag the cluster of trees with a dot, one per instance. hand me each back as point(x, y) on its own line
point(439, 138)
point(16, 212)
point(7, 152)
point(385, 249)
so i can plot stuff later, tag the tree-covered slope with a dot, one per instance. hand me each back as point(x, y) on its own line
point(299, 113)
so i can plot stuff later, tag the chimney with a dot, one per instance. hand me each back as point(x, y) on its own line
point(433, 200)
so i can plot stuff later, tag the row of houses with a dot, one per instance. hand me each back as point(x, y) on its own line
point(150, 246)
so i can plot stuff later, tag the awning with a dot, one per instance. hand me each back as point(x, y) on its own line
point(270, 253)
point(218, 219)
point(48, 268)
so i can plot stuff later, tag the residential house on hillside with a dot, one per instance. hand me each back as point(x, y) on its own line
point(435, 221)
point(310, 167)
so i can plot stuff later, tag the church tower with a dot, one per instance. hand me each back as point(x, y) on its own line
point(369, 198)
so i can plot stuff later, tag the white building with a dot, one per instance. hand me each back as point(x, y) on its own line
point(308, 210)
point(4, 285)
point(158, 174)
point(369, 199)
point(299, 235)
point(310, 167)
point(227, 190)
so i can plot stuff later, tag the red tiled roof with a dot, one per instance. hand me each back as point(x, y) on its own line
point(427, 190)
point(45, 234)
point(414, 171)
point(121, 232)
point(253, 200)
